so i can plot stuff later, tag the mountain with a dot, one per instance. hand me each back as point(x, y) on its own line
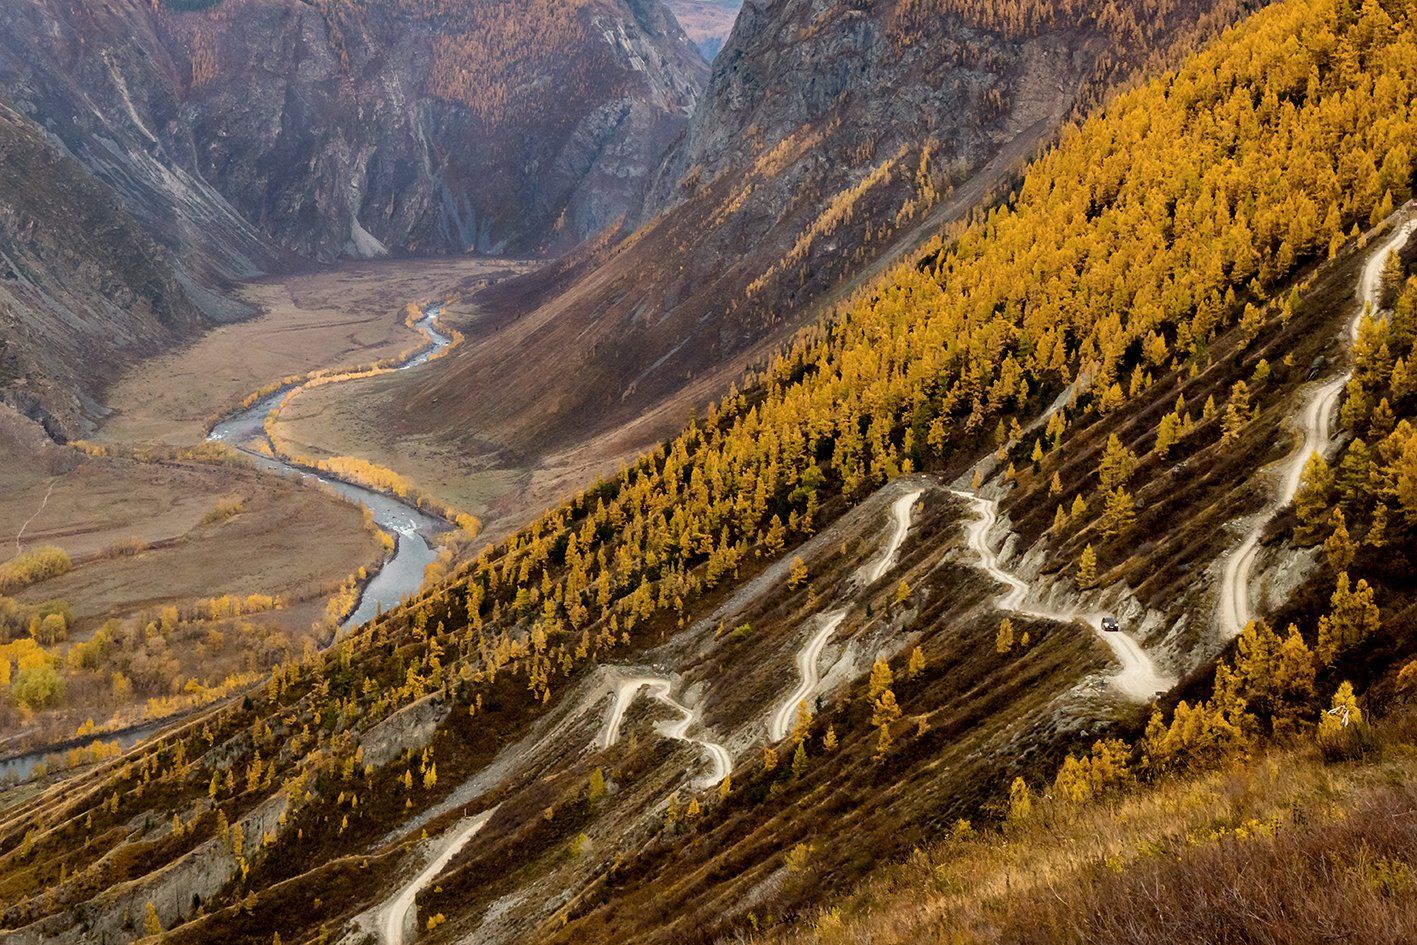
point(706, 22)
point(84, 290)
point(240, 130)
point(834, 661)
point(243, 136)
point(832, 138)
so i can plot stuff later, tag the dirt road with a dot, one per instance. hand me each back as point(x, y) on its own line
point(397, 919)
point(1138, 678)
point(721, 762)
point(1314, 425)
point(809, 673)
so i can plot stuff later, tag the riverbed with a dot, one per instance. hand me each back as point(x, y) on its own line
point(414, 530)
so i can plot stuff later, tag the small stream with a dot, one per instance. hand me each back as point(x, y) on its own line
point(19, 768)
point(413, 529)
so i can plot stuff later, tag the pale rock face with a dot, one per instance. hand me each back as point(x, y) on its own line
point(83, 288)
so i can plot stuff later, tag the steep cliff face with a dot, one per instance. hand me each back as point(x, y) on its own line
point(83, 288)
point(242, 128)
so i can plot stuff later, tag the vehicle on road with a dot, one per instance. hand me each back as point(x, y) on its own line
point(1110, 624)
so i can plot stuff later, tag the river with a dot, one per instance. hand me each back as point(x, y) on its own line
point(413, 529)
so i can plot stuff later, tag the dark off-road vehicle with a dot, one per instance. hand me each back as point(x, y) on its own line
point(1110, 624)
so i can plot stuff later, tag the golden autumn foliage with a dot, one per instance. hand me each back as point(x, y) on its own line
point(1162, 218)
point(1078, 268)
point(31, 567)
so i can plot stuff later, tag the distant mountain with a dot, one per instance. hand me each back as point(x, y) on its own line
point(244, 128)
point(707, 22)
point(217, 140)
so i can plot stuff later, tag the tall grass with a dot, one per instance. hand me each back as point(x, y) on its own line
point(1345, 877)
point(1281, 850)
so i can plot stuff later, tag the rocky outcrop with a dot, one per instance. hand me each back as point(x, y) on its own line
point(410, 728)
point(175, 892)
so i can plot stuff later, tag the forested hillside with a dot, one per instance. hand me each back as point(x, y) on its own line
point(1163, 246)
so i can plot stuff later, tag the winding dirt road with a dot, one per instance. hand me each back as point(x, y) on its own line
point(1138, 678)
point(721, 762)
point(807, 671)
point(395, 920)
point(1314, 424)
point(809, 674)
point(900, 527)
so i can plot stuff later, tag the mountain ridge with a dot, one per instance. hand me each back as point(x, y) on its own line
point(380, 114)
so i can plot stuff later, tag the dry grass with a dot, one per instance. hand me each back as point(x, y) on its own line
point(147, 535)
point(1282, 850)
point(340, 317)
point(350, 420)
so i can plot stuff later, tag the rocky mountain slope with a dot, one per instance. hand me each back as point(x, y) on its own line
point(239, 127)
point(832, 137)
point(706, 22)
point(84, 289)
point(245, 135)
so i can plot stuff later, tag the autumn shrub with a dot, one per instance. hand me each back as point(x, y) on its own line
point(125, 548)
point(51, 630)
point(37, 686)
point(225, 508)
point(31, 567)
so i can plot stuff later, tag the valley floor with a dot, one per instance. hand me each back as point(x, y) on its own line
point(340, 317)
point(230, 568)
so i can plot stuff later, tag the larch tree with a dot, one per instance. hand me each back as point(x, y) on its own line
point(1311, 502)
point(1004, 639)
point(1352, 617)
point(1087, 567)
point(1117, 464)
point(1118, 512)
point(1020, 801)
point(1339, 547)
point(881, 678)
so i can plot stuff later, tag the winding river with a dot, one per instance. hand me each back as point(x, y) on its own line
point(414, 530)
